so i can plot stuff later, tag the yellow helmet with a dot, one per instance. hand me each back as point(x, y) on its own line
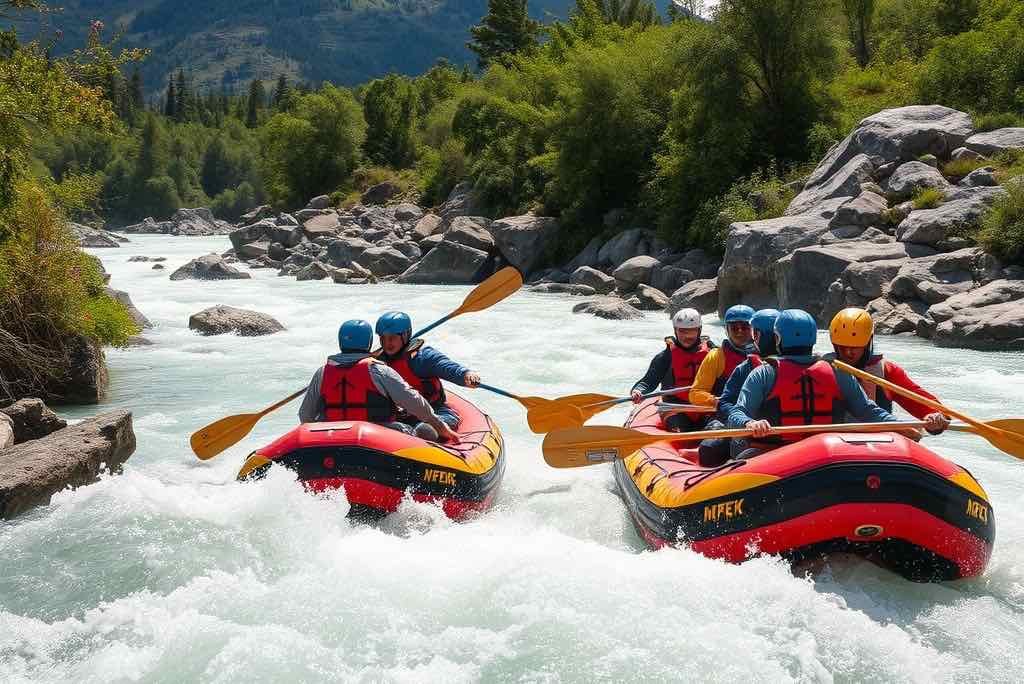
point(852, 328)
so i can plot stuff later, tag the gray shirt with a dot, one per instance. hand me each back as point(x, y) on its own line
point(387, 381)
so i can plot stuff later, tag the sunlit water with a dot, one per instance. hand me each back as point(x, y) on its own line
point(173, 572)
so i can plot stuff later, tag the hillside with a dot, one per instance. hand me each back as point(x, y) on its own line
point(230, 42)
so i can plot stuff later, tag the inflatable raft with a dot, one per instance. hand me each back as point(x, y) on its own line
point(880, 496)
point(377, 467)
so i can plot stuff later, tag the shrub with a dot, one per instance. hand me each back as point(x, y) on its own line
point(992, 122)
point(928, 198)
point(958, 168)
point(1002, 230)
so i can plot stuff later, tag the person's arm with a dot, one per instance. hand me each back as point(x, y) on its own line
point(731, 391)
point(858, 404)
point(430, 363)
point(389, 382)
point(660, 365)
point(711, 368)
point(896, 375)
point(751, 398)
point(312, 406)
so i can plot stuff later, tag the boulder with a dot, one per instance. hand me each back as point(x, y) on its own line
point(524, 241)
point(870, 279)
point(628, 244)
point(380, 236)
point(448, 262)
point(698, 262)
point(591, 277)
point(701, 295)
point(288, 235)
point(408, 212)
point(427, 226)
point(197, 222)
point(343, 251)
point(461, 201)
point(84, 380)
point(911, 177)
point(258, 214)
point(304, 215)
point(277, 251)
point(635, 271)
point(997, 327)
point(319, 202)
point(929, 159)
point(427, 244)
point(409, 249)
point(936, 278)
point(221, 319)
point(965, 153)
point(266, 262)
point(144, 259)
point(844, 182)
point(31, 473)
point(650, 298)
point(611, 308)
point(996, 142)
point(297, 261)
point(670, 278)
point(254, 250)
point(323, 225)
point(471, 231)
point(587, 257)
point(863, 211)
point(93, 237)
point(251, 233)
point(157, 267)
point(896, 319)
point(984, 177)
point(126, 301)
point(383, 261)
point(563, 288)
point(31, 419)
point(550, 275)
point(961, 213)
point(314, 270)
point(209, 267)
point(6, 432)
point(998, 291)
point(286, 221)
point(380, 193)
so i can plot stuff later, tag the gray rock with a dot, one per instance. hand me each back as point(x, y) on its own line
point(31, 419)
point(6, 432)
point(965, 153)
point(912, 177)
point(343, 251)
point(144, 259)
point(865, 210)
point(221, 319)
point(266, 262)
point(896, 319)
point(698, 262)
point(286, 221)
point(701, 295)
point(31, 473)
point(297, 262)
point(670, 278)
point(563, 288)
point(209, 267)
point(380, 236)
point(314, 270)
point(409, 249)
point(427, 226)
point(277, 251)
point(461, 201)
point(251, 233)
point(197, 222)
point(929, 159)
point(635, 271)
point(611, 308)
point(383, 261)
point(408, 212)
point(84, 379)
point(996, 142)
point(429, 243)
point(525, 241)
point(628, 244)
point(319, 202)
point(126, 301)
point(254, 250)
point(93, 237)
point(289, 236)
point(320, 226)
point(650, 298)
point(870, 279)
point(342, 275)
point(259, 213)
point(996, 292)
point(304, 215)
point(961, 213)
point(872, 187)
point(448, 262)
point(602, 283)
point(587, 257)
point(980, 178)
point(471, 231)
point(936, 278)
point(996, 326)
point(158, 267)
point(845, 182)
point(380, 193)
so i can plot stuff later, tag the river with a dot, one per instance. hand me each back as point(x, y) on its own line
point(173, 572)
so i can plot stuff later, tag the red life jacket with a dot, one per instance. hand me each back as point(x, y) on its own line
point(349, 394)
point(755, 361)
point(685, 364)
point(431, 388)
point(733, 358)
point(803, 395)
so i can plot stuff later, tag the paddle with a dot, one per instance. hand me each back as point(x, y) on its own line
point(211, 440)
point(542, 415)
point(1006, 437)
point(553, 414)
point(672, 409)
point(586, 446)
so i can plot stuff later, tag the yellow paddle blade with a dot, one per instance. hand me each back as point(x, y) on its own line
point(545, 418)
point(586, 404)
point(209, 441)
point(585, 446)
point(1005, 434)
point(502, 284)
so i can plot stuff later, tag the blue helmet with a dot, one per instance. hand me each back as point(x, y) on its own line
point(796, 329)
point(741, 313)
point(355, 335)
point(394, 323)
point(764, 322)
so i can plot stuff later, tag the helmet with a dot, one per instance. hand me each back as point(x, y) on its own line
point(687, 319)
point(355, 335)
point(741, 313)
point(394, 323)
point(764, 321)
point(852, 328)
point(796, 329)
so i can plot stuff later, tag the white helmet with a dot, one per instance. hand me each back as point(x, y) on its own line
point(686, 319)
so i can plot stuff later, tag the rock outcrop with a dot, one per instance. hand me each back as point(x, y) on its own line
point(84, 379)
point(31, 419)
point(525, 240)
point(195, 222)
point(209, 267)
point(611, 308)
point(449, 262)
point(221, 319)
point(95, 237)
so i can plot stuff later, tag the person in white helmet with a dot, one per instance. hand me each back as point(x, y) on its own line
point(676, 366)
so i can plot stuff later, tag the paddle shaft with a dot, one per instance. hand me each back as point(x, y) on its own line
point(672, 409)
point(792, 430)
point(649, 395)
point(491, 388)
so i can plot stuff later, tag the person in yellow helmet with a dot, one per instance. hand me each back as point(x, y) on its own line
point(853, 338)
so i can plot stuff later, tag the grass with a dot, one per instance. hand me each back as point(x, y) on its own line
point(928, 198)
point(992, 122)
point(958, 168)
point(1002, 231)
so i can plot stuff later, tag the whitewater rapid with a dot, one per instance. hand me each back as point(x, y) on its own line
point(173, 572)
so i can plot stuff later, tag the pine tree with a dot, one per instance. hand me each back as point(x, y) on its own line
point(152, 159)
point(281, 91)
point(505, 30)
point(135, 96)
point(182, 102)
point(172, 99)
point(256, 99)
point(217, 174)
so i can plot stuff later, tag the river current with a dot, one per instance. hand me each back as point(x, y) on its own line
point(174, 572)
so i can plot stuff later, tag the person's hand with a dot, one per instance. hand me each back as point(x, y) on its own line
point(445, 433)
point(936, 423)
point(471, 379)
point(759, 428)
point(637, 396)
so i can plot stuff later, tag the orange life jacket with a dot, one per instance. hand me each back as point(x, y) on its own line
point(349, 394)
point(733, 358)
point(803, 395)
point(685, 364)
point(431, 388)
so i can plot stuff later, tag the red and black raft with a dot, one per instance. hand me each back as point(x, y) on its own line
point(377, 467)
point(880, 496)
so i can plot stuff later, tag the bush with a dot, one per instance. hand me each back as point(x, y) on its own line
point(928, 198)
point(992, 122)
point(958, 168)
point(1002, 231)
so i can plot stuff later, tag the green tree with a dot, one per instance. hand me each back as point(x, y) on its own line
point(389, 107)
point(629, 12)
point(281, 92)
point(135, 96)
point(182, 98)
point(218, 169)
point(153, 152)
point(860, 16)
point(504, 31)
point(956, 16)
point(255, 102)
point(170, 99)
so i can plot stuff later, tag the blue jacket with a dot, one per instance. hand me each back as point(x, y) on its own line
point(731, 391)
point(759, 383)
point(430, 363)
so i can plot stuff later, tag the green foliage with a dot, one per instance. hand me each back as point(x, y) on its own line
point(231, 204)
point(506, 30)
point(860, 18)
point(995, 121)
point(958, 168)
point(928, 198)
point(389, 107)
point(1002, 230)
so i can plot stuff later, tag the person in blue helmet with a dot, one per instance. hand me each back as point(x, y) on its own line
point(797, 388)
point(421, 366)
point(715, 452)
point(720, 362)
point(353, 385)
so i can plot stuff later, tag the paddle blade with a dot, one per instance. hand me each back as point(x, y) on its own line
point(553, 416)
point(502, 284)
point(585, 403)
point(1005, 436)
point(586, 446)
point(226, 432)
